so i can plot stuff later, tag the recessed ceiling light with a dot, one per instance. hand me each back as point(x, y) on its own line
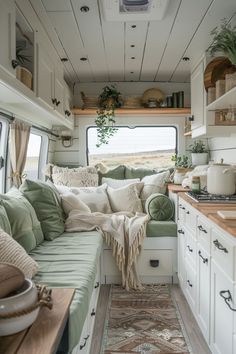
point(131, 72)
point(185, 58)
point(64, 59)
point(132, 57)
point(133, 26)
point(132, 45)
point(84, 9)
point(83, 59)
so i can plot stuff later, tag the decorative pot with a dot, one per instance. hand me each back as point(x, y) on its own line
point(24, 298)
point(221, 179)
point(199, 158)
point(179, 174)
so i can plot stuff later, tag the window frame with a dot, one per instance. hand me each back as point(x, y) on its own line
point(133, 127)
point(4, 138)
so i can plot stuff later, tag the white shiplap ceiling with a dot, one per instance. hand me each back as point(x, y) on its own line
point(115, 51)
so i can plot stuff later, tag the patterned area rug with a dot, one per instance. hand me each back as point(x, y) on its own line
point(143, 322)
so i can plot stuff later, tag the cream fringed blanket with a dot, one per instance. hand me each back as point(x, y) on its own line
point(123, 233)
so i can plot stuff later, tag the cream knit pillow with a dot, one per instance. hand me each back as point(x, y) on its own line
point(11, 252)
point(126, 198)
point(70, 201)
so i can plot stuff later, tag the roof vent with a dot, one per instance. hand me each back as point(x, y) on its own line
point(133, 10)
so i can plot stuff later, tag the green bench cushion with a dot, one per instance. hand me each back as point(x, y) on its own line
point(70, 261)
point(161, 229)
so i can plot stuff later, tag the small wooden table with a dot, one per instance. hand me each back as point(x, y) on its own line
point(44, 336)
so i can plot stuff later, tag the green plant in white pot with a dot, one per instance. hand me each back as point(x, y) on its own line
point(199, 153)
point(181, 167)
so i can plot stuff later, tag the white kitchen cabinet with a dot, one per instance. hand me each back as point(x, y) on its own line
point(190, 288)
point(197, 96)
point(7, 35)
point(181, 255)
point(67, 102)
point(222, 316)
point(203, 291)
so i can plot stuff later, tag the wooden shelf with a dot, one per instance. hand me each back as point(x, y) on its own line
point(136, 111)
point(224, 101)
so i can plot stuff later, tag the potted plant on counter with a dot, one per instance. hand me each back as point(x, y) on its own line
point(199, 153)
point(109, 100)
point(181, 167)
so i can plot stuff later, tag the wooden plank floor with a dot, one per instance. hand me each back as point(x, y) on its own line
point(195, 337)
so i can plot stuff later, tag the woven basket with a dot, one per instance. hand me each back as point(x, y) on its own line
point(89, 101)
point(25, 76)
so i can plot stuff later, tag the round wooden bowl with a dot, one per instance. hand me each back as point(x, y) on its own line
point(216, 70)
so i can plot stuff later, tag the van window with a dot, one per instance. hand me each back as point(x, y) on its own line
point(36, 156)
point(141, 146)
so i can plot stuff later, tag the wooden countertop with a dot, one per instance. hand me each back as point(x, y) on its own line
point(210, 211)
point(176, 188)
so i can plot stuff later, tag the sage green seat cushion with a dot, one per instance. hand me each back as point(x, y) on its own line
point(161, 229)
point(25, 227)
point(131, 172)
point(70, 261)
point(46, 201)
point(4, 221)
point(116, 173)
point(159, 207)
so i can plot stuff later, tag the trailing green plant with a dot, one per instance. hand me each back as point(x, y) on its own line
point(180, 160)
point(198, 147)
point(109, 100)
point(22, 58)
point(224, 40)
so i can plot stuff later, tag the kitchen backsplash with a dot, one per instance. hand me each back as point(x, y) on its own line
point(223, 148)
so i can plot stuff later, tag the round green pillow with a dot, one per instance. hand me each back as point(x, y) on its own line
point(159, 207)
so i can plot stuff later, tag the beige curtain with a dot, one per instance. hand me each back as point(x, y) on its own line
point(19, 138)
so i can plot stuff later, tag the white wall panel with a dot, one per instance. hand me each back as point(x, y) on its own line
point(223, 148)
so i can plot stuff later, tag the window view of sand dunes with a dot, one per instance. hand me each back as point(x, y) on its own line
point(150, 147)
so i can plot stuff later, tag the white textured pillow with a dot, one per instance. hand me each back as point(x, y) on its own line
point(12, 252)
point(154, 184)
point(118, 183)
point(95, 198)
point(126, 198)
point(70, 201)
point(80, 177)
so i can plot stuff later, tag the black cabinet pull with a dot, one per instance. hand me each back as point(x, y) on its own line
point(67, 113)
point(96, 285)
point(154, 263)
point(227, 298)
point(180, 231)
point(188, 212)
point(220, 246)
point(202, 229)
point(205, 260)
point(182, 207)
point(14, 63)
point(54, 100)
point(93, 313)
point(190, 284)
point(57, 102)
point(85, 342)
point(189, 248)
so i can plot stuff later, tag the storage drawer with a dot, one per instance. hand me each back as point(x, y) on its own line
point(204, 233)
point(190, 285)
point(181, 212)
point(223, 252)
point(155, 263)
point(190, 249)
point(190, 219)
point(109, 264)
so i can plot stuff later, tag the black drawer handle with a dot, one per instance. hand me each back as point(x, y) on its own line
point(85, 342)
point(67, 113)
point(189, 248)
point(93, 313)
point(205, 260)
point(190, 284)
point(14, 63)
point(188, 212)
point(54, 100)
point(180, 231)
point(220, 246)
point(202, 229)
point(182, 207)
point(154, 263)
point(96, 285)
point(227, 298)
point(57, 102)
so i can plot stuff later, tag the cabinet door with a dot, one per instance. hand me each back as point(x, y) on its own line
point(197, 96)
point(181, 256)
point(45, 75)
point(7, 35)
point(203, 291)
point(221, 314)
point(59, 95)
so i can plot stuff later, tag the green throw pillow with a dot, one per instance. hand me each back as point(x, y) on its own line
point(46, 201)
point(25, 227)
point(4, 221)
point(159, 207)
point(131, 172)
point(116, 173)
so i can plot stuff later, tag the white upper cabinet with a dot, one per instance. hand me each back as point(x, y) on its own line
point(197, 96)
point(7, 35)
